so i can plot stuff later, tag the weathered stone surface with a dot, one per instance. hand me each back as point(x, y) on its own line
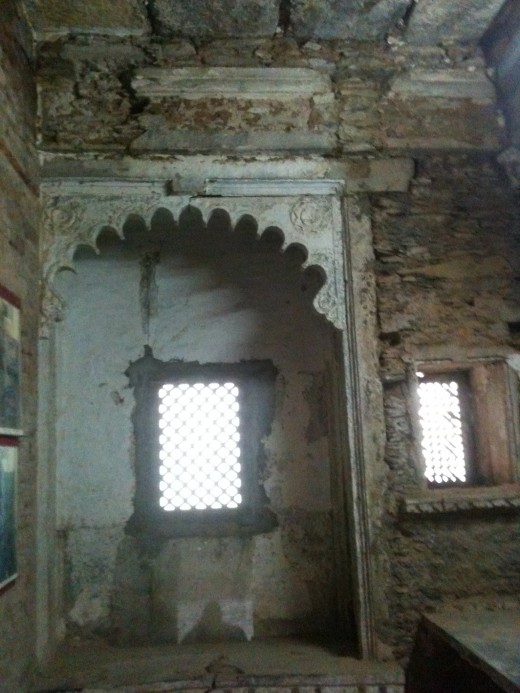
point(510, 160)
point(370, 105)
point(454, 84)
point(372, 117)
point(378, 175)
point(445, 256)
point(231, 82)
point(501, 46)
point(487, 499)
point(206, 18)
point(444, 280)
point(434, 21)
point(240, 109)
point(167, 138)
point(343, 19)
point(54, 17)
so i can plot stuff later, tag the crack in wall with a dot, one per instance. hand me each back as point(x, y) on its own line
point(405, 19)
point(148, 289)
point(284, 16)
point(137, 103)
point(151, 14)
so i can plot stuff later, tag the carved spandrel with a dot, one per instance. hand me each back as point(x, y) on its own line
point(60, 220)
point(306, 220)
point(330, 299)
point(312, 216)
point(71, 221)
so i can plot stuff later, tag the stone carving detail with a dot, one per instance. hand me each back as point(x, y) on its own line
point(305, 220)
point(461, 504)
point(59, 220)
point(53, 308)
point(310, 215)
point(267, 211)
point(71, 220)
point(74, 218)
point(330, 299)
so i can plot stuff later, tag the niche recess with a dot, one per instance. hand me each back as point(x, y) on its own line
point(211, 280)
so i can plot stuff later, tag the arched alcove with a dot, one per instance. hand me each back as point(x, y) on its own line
point(203, 288)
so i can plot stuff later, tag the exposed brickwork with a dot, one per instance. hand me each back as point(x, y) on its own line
point(19, 273)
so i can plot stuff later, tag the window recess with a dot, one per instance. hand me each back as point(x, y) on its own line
point(467, 428)
point(198, 444)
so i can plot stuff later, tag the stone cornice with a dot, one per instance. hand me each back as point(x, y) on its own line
point(280, 83)
point(463, 500)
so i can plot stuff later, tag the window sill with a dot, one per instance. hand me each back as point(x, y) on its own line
point(488, 499)
point(197, 523)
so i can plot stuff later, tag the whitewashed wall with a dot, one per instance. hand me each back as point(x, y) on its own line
point(242, 300)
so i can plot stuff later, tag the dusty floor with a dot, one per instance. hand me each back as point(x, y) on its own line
point(274, 662)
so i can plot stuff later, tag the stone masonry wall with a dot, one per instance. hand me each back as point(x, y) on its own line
point(19, 272)
point(446, 250)
point(381, 98)
point(447, 258)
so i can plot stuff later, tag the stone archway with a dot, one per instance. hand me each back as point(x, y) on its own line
point(310, 215)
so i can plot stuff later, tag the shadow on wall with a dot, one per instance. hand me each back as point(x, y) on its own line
point(215, 294)
point(212, 627)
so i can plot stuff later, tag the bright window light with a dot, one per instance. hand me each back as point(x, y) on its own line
point(442, 440)
point(199, 446)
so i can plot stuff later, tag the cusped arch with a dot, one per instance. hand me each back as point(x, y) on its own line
point(72, 222)
point(311, 213)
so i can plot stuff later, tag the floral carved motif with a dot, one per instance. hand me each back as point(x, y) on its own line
point(71, 220)
point(311, 215)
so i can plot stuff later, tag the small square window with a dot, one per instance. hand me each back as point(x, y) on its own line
point(198, 437)
point(468, 431)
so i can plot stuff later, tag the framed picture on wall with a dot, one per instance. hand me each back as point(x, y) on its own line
point(10, 364)
point(8, 466)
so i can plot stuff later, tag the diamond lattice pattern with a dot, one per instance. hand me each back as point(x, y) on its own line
point(199, 446)
point(442, 441)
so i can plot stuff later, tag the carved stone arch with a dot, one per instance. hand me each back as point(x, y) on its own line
point(336, 237)
point(70, 221)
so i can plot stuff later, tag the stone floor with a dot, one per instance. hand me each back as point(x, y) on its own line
point(266, 666)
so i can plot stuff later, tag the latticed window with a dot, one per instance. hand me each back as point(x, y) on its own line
point(468, 416)
point(199, 438)
point(444, 418)
point(199, 432)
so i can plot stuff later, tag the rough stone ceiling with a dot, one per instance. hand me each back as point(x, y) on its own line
point(419, 22)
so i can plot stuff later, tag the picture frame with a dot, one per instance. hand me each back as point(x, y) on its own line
point(10, 364)
point(8, 492)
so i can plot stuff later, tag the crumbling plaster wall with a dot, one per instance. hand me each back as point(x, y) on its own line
point(19, 210)
point(219, 297)
point(446, 249)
